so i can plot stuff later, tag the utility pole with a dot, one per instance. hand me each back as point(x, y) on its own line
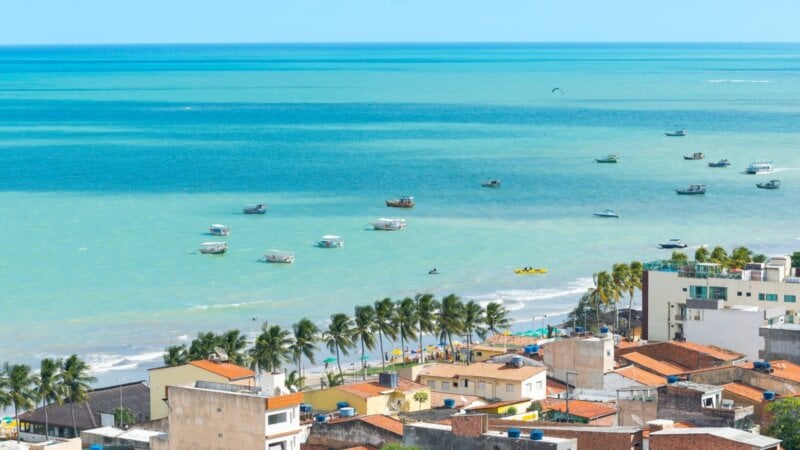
point(569, 372)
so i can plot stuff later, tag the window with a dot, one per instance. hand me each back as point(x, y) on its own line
point(466, 383)
point(768, 297)
point(528, 387)
point(538, 385)
point(749, 295)
point(738, 293)
point(481, 385)
point(700, 292)
point(432, 384)
point(718, 293)
point(509, 387)
point(761, 297)
point(445, 386)
point(274, 419)
point(789, 298)
point(708, 402)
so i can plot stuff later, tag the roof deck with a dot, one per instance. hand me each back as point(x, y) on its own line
point(776, 269)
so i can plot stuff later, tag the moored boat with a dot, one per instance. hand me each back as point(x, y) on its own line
point(676, 133)
point(260, 208)
point(330, 241)
point(673, 243)
point(607, 213)
point(402, 202)
point(279, 256)
point(694, 189)
point(491, 184)
point(720, 163)
point(213, 248)
point(759, 166)
point(694, 156)
point(771, 184)
point(389, 224)
point(608, 159)
point(219, 230)
point(531, 271)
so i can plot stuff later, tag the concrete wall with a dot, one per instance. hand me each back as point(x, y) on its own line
point(781, 344)
point(587, 437)
point(591, 358)
point(685, 405)
point(169, 376)
point(346, 434)
point(492, 389)
point(636, 412)
point(442, 439)
point(703, 327)
point(695, 442)
point(60, 444)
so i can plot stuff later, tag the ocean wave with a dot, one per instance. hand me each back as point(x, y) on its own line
point(103, 362)
point(738, 81)
point(511, 297)
point(228, 305)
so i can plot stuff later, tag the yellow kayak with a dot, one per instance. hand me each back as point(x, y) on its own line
point(533, 271)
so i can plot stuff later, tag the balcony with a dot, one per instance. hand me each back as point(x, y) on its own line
point(680, 317)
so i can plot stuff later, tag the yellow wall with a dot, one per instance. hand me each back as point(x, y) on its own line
point(486, 355)
point(166, 376)
point(326, 400)
point(521, 407)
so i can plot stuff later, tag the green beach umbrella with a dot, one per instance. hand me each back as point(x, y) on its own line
point(365, 358)
point(329, 360)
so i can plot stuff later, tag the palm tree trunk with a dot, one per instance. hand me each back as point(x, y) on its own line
point(338, 361)
point(616, 318)
point(363, 362)
point(452, 348)
point(74, 423)
point(46, 421)
point(16, 417)
point(403, 347)
point(630, 308)
point(383, 360)
point(421, 349)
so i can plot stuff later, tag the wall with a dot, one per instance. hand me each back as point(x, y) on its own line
point(695, 442)
point(430, 438)
point(588, 437)
point(591, 358)
point(347, 433)
point(326, 399)
point(636, 412)
point(493, 388)
point(781, 344)
point(61, 444)
point(706, 331)
point(684, 405)
point(169, 376)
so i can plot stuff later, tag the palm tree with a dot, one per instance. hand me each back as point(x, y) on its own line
point(740, 256)
point(124, 417)
point(679, 257)
point(19, 385)
point(384, 310)
point(204, 345)
point(426, 306)
point(48, 389)
point(296, 382)
point(474, 321)
point(176, 355)
point(305, 336)
point(364, 319)
point(75, 381)
point(271, 348)
point(719, 256)
point(497, 317)
point(619, 285)
point(600, 293)
point(405, 319)
point(634, 282)
point(701, 255)
point(333, 379)
point(451, 320)
point(339, 337)
point(234, 344)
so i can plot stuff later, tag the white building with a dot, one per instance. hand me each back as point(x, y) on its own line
point(704, 320)
point(667, 287)
point(501, 381)
point(585, 359)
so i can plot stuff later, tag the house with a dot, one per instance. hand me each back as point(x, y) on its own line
point(680, 356)
point(652, 365)
point(502, 407)
point(97, 411)
point(481, 353)
point(214, 370)
point(579, 411)
point(632, 376)
point(347, 432)
point(204, 414)
point(780, 342)
point(588, 437)
point(710, 439)
point(389, 394)
point(781, 377)
point(133, 438)
point(493, 381)
point(743, 394)
point(587, 359)
point(702, 405)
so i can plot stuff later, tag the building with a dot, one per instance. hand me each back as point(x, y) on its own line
point(346, 432)
point(588, 437)
point(503, 407)
point(114, 437)
point(471, 432)
point(97, 411)
point(743, 394)
point(668, 286)
point(701, 405)
point(216, 371)
point(637, 405)
point(781, 377)
point(579, 411)
point(586, 359)
point(389, 394)
point(494, 381)
point(481, 353)
point(632, 376)
point(704, 319)
point(710, 439)
point(780, 342)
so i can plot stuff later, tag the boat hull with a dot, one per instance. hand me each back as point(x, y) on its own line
point(397, 204)
point(607, 216)
point(606, 161)
point(672, 246)
point(680, 192)
point(539, 271)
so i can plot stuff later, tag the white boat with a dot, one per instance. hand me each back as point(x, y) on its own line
point(759, 166)
point(330, 241)
point(213, 248)
point(389, 224)
point(219, 230)
point(607, 213)
point(673, 243)
point(279, 256)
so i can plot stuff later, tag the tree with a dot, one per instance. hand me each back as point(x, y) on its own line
point(48, 388)
point(204, 345)
point(785, 424)
point(405, 320)
point(426, 306)
point(701, 255)
point(176, 355)
point(233, 342)
point(634, 282)
point(600, 293)
point(497, 317)
point(295, 382)
point(333, 379)
point(679, 257)
point(511, 410)
point(420, 397)
point(18, 381)
point(759, 258)
point(398, 446)
point(451, 320)
point(719, 256)
point(796, 259)
point(124, 417)
point(384, 310)
point(473, 323)
point(75, 381)
point(271, 348)
point(364, 320)
point(583, 310)
point(339, 337)
point(620, 277)
point(305, 337)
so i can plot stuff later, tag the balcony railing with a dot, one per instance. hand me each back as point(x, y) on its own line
point(680, 316)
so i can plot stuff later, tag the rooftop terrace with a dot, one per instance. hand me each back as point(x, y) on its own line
point(782, 272)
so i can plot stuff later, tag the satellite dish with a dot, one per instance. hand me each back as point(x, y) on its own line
point(638, 420)
point(221, 353)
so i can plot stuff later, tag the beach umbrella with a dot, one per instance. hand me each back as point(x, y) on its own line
point(365, 358)
point(433, 348)
point(329, 360)
point(506, 333)
point(8, 419)
point(397, 352)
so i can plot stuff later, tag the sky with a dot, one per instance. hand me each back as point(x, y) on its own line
point(226, 21)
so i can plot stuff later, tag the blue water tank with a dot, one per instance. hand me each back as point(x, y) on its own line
point(321, 418)
point(449, 403)
point(767, 365)
point(758, 364)
point(579, 329)
point(516, 361)
point(347, 412)
point(96, 447)
point(603, 330)
point(529, 349)
point(341, 405)
point(305, 407)
point(672, 379)
point(535, 349)
point(513, 432)
point(537, 435)
point(769, 395)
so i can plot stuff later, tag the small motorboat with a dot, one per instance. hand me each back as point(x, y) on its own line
point(694, 156)
point(607, 213)
point(771, 184)
point(608, 159)
point(330, 241)
point(673, 243)
point(676, 133)
point(760, 166)
point(279, 256)
point(491, 184)
point(402, 202)
point(720, 163)
point(530, 271)
point(213, 248)
point(260, 208)
point(389, 224)
point(694, 189)
point(219, 230)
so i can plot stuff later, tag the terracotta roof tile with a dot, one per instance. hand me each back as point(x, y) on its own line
point(555, 387)
point(786, 370)
point(641, 376)
point(651, 364)
point(370, 389)
point(384, 422)
point(746, 391)
point(580, 408)
point(227, 370)
point(313, 447)
point(710, 350)
point(482, 370)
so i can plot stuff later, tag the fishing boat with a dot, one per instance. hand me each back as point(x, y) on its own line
point(402, 202)
point(491, 184)
point(673, 243)
point(213, 248)
point(260, 208)
point(279, 256)
point(219, 230)
point(759, 166)
point(771, 184)
point(694, 189)
point(389, 224)
point(676, 133)
point(694, 156)
point(720, 163)
point(531, 271)
point(330, 241)
point(608, 159)
point(607, 213)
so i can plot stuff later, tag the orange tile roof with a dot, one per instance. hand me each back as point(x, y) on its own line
point(555, 387)
point(437, 399)
point(786, 370)
point(482, 370)
point(370, 389)
point(710, 350)
point(384, 422)
point(227, 370)
point(579, 408)
point(653, 365)
point(641, 376)
point(745, 390)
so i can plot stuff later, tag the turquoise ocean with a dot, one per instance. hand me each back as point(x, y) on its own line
point(114, 161)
